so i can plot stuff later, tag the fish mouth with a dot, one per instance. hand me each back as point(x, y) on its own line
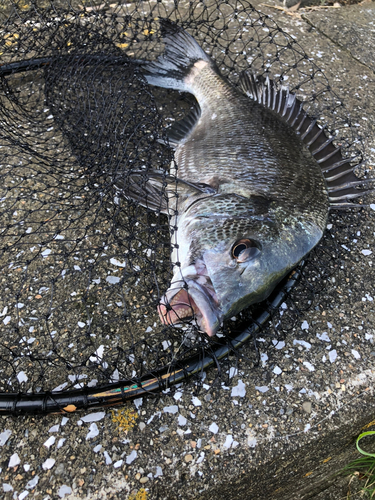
point(192, 297)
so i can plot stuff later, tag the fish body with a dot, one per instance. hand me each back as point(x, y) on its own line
point(252, 199)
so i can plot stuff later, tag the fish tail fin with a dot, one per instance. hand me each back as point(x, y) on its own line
point(174, 65)
point(340, 173)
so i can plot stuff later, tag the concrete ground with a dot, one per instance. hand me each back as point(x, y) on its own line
point(278, 431)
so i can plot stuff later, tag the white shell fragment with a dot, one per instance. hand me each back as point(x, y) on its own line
point(32, 483)
point(49, 463)
point(177, 396)
point(196, 401)
point(323, 336)
point(7, 319)
point(4, 436)
point(108, 459)
point(94, 417)
point(181, 420)
point(356, 354)
point(279, 344)
point(130, 458)
point(303, 343)
point(93, 431)
point(309, 366)
point(113, 280)
point(332, 355)
point(138, 403)
point(14, 460)
point(159, 471)
point(98, 355)
point(239, 390)
point(64, 490)
point(262, 388)
point(116, 262)
point(213, 428)
point(50, 441)
point(228, 441)
point(60, 443)
point(171, 409)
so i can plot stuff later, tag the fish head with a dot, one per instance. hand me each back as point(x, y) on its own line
point(233, 257)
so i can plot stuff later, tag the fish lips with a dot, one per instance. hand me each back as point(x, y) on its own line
point(192, 297)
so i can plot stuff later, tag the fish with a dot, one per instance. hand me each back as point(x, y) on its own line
point(248, 192)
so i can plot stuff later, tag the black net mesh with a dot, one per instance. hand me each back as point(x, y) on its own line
point(82, 269)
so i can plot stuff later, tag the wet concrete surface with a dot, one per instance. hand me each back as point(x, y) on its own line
point(352, 29)
point(279, 431)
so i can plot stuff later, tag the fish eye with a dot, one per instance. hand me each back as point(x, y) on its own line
point(245, 249)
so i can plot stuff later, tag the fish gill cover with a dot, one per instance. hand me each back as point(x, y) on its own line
point(84, 264)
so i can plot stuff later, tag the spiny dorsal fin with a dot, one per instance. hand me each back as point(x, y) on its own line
point(342, 183)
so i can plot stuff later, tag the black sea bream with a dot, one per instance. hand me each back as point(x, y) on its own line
point(256, 178)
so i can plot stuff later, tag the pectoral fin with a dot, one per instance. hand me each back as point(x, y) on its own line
point(158, 191)
point(180, 130)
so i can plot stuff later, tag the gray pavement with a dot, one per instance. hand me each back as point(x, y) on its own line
point(278, 431)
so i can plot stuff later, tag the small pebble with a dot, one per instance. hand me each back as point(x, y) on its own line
point(188, 458)
point(143, 480)
point(307, 407)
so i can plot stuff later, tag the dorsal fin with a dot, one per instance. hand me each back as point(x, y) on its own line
point(342, 183)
